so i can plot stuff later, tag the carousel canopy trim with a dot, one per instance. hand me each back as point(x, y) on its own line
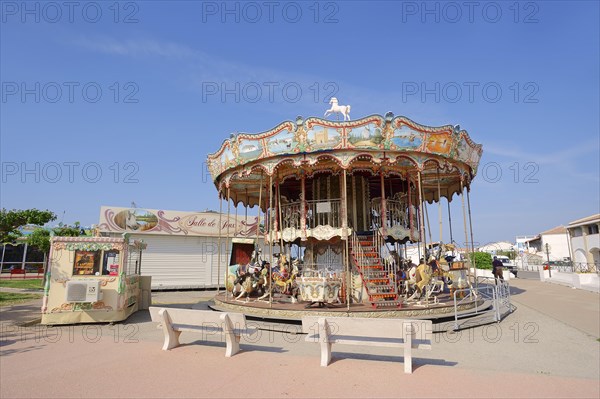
point(380, 137)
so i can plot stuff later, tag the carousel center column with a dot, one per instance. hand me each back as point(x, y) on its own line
point(303, 205)
point(345, 234)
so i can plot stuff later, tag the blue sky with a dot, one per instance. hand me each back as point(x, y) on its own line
point(160, 68)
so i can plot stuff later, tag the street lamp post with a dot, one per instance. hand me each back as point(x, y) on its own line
point(548, 258)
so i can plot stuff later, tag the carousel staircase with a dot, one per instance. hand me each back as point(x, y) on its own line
point(381, 289)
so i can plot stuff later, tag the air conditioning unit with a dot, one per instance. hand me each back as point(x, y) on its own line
point(83, 291)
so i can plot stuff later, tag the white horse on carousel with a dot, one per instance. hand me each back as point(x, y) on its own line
point(341, 109)
point(244, 276)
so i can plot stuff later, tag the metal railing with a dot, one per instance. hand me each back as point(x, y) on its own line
point(317, 213)
point(396, 213)
point(586, 267)
point(387, 259)
point(573, 267)
point(488, 289)
point(324, 213)
point(291, 214)
point(359, 254)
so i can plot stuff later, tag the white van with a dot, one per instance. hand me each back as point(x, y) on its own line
point(508, 264)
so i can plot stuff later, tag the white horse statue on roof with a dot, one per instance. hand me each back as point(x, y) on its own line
point(341, 109)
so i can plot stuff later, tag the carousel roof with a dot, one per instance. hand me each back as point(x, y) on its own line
point(445, 155)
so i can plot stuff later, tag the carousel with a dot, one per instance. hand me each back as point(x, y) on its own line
point(340, 203)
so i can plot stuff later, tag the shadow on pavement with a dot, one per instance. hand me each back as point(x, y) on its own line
point(243, 347)
point(417, 362)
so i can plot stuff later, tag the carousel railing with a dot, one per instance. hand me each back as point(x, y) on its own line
point(291, 215)
point(323, 213)
point(318, 213)
point(359, 254)
point(396, 213)
point(387, 259)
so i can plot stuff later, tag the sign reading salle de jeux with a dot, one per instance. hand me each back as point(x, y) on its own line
point(154, 221)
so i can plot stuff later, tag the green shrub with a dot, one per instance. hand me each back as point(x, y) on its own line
point(482, 260)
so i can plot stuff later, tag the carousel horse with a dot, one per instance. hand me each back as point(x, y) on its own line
point(335, 108)
point(277, 273)
point(411, 280)
point(423, 275)
point(431, 283)
point(282, 280)
point(243, 275)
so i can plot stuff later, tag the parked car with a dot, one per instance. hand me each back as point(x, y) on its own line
point(508, 264)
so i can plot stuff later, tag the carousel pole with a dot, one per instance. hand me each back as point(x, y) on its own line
point(258, 217)
point(383, 205)
point(246, 208)
point(428, 225)
point(421, 221)
point(219, 244)
point(410, 211)
point(450, 220)
point(303, 206)
point(439, 207)
point(235, 231)
point(462, 199)
point(280, 224)
point(271, 240)
point(471, 231)
point(228, 244)
point(235, 226)
point(345, 232)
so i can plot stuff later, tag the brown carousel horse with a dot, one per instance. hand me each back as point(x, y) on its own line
point(282, 279)
point(428, 280)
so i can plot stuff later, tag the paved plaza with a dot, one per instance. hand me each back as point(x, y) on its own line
point(547, 348)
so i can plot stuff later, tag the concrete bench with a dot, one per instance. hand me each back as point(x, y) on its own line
point(173, 321)
point(394, 333)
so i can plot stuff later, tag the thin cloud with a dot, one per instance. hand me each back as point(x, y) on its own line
point(203, 67)
point(565, 155)
point(135, 47)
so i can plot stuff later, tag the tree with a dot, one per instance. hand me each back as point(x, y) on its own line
point(10, 221)
point(40, 239)
point(482, 260)
point(68, 231)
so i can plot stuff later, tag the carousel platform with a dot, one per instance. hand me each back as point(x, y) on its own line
point(281, 309)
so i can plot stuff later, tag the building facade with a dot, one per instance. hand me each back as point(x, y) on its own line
point(557, 241)
point(585, 242)
point(184, 249)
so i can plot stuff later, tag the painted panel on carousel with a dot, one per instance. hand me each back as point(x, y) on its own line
point(406, 138)
point(366, 136)
point(136, 220)
point(249, 150)
point(474, 159)
point(405, 163)
point(439, 143)
point(282, 143)
point(462, 150)
point(228, 158)
point(323, 137)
